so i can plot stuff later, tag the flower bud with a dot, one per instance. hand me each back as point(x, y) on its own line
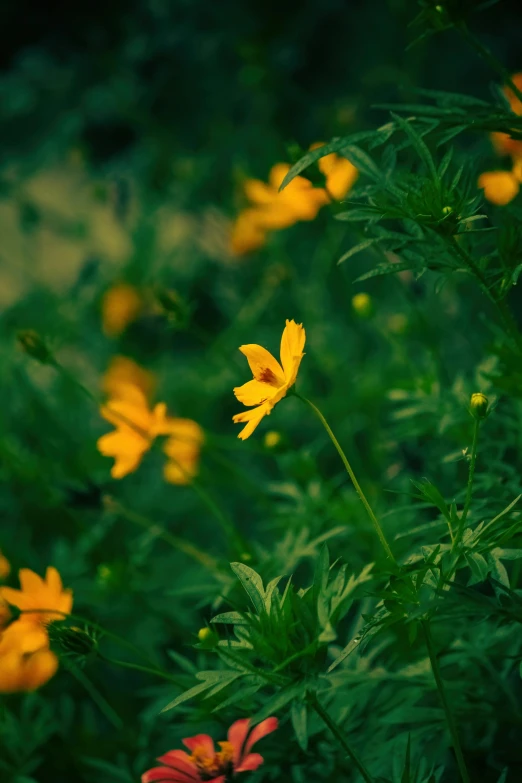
point(362, 305)
point(272, 439)
point(204, 634)
point(31, 342)
point(208, 638)
point(479, 405)
point(78, 643)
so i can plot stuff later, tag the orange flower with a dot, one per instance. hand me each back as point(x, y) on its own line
point(271, 380)
point(501, 187)
point(38, 593)
point(136, 428)
point(121, 305)
point(182, 448)
point(123, 372)
point(26, 662)
point(5, 566)
point(205, 763)
point(247, 233)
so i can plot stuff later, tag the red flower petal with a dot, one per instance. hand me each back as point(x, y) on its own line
point(261, 730)
point(200, 740)
point(251, 762)
point(236, 736)
point(167, 775)
point(180, 762)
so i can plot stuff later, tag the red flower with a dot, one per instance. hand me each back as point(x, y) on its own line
point(205, 764)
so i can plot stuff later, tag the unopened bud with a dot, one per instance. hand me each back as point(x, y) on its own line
point(73, 641)
point(272, 439)
point(362, 305)
point(204, 634)
point(479, 405)
point(31, 342)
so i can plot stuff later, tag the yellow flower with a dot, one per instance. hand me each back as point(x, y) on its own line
point(271, 379)
point(123, 372)
point(274, 210)
point(136, 428)
point(362, 305)
point(26, 662)
point(5, 566)
point(182, 448)
point(500, 187)
point(340, 173)
point(121, 306)
point(38, 593)
point(247, 233)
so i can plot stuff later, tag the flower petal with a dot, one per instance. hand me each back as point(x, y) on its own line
point(160, 774)
point(292, 344)
point(237, 735)
point(253, 417)
point(261, 730)
point(264, 366)
point(181, 762)
point(251, 762)
point(254, 392)
point(203, 741)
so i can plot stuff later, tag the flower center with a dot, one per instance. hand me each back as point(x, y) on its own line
point(210, 765)
point(267, 376)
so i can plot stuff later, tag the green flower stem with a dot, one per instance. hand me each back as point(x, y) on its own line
point(491, 60)
point(176, 542)
point(461, 763)
point(139, 668)
point(100, 701)
point(469, 492)
point(502, 307)
point(362, 496)
point(339, 736)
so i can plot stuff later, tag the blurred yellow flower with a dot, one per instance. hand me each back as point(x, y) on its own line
point(502, 142)
point(247, 233)
point(500, 187)
point(137, 425)
point(271, 380)
point(5, 566)
point(340, 173)
point(123, 372)
point(362, 304)
point(121, 305)
point(182, 449)
point(272, 439)
point(26, 662)
point(38, 593)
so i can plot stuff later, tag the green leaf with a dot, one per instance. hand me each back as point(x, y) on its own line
point(278, 701)
point(387, 269)
point(298, 714)
point(252, 583)
point(418, 144)
point(498, 570)
point(478, 566)
point(230, 618)
point(271, 586)
point(186, 695)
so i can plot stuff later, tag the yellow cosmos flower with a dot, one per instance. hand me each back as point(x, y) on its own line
point(38, 593)
point(26, 662)
point(271, 380)
point(182, 448)
point(500, 187)
point(123, 372)
point(340, 173)
point(136, 428)
point(121, 305)
point(5, 566)
point(247, 233)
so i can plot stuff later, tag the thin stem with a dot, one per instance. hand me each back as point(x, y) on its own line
point(100, 701)
point(362, 496)
point(503, 309)
point(339, 736)
point(176, 542)
point(139, 668)
point(490, 58)
point(469, 492)
point(444, 699)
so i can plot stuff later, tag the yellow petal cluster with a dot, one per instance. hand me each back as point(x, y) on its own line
point(26, 660)
point(137, 425)
point(121, 305)
point(271, 210)
point(271, 379)
point(501, 187)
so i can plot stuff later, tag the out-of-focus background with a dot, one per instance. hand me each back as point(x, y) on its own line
point(127, 130)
